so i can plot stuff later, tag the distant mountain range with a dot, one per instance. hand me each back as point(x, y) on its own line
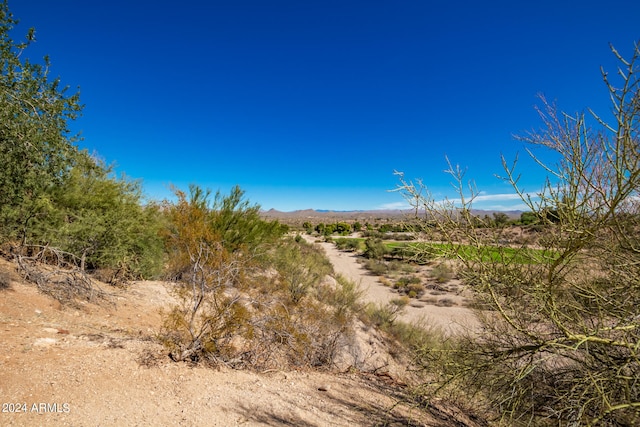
point(360, 214)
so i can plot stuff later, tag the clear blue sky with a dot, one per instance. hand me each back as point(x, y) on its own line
point(314, 104)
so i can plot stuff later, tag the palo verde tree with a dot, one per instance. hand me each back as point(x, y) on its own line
point(560, 344)
point(36, 147)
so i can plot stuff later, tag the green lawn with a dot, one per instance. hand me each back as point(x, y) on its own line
point(485, 254)
point(467, 252)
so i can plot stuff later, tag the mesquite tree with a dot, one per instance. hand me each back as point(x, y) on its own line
point(36, 146)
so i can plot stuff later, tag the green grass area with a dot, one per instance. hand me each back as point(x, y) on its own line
point(486, 253)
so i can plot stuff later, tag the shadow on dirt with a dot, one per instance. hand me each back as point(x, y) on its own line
point(386, 405)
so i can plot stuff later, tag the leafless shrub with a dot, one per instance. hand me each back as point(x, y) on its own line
point(209, 313)
point(57, 273)
point(561, 344)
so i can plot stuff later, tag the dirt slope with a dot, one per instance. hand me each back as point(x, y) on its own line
point(99, 366)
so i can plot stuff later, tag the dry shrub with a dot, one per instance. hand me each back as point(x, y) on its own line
point(57, 274)
point(376, 267)
point(5, 280)
point(442, 273)
point(234, 310)
point(307, 331)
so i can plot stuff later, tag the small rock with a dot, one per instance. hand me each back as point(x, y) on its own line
point(45, 342)
point(323, 387)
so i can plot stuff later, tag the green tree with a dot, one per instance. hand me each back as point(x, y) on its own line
point(500, 219)
point(329, 229)
point(527, 218)
point(374, 248)
point(102, 219)
point(36, 147)
point(238, 222)
point(342, 228)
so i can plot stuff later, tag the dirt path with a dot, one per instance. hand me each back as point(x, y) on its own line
point(450, 319)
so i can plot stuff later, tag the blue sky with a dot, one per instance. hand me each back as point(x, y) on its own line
point(315, 104)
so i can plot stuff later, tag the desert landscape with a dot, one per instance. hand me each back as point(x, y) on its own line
point(155, 270)
point(102, 365)
point(452, 318)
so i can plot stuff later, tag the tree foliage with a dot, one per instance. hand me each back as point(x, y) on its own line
point(52, 193)
point(374, 248)
point(252, 299)
point(238, 222)
point(213, 247)
point(36, 147)
point(102, 219)
point(561, 344)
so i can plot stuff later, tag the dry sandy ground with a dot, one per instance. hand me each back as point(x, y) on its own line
point(99, 366)
point(450, 319)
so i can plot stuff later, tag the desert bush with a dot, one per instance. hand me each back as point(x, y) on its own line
point(101, 218)
point(309, 334)
point(344, 297)
point(419, 337)
point(210, 313)
point(343, 228)
point(441, 273)
point(410, 285)
point(208, 279)
point(560, 346)
point(376, 267)
point(300, 267)
point(374, 249)
point(400, 266)
point(260, 304)
point(308, 227)
point(345, 244)
point(304, 332)
point(383, 316)
point(5, 280)
point(414, 290)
